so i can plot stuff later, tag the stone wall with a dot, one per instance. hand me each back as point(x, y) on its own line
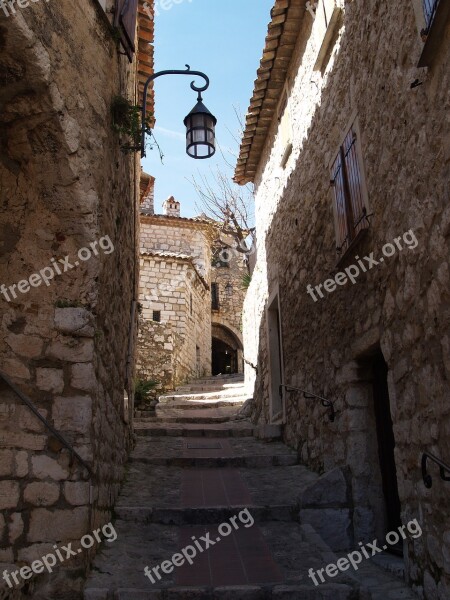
point(64, 185)
point(398, 307)
point(173, 286)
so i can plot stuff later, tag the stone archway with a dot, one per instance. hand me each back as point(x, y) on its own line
point(226, 351)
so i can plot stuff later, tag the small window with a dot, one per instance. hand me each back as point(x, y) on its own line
point(125, 21)
point(349, 205)
point(192, 305)
point(215, 296)
point(285, 130)
point(157, 316)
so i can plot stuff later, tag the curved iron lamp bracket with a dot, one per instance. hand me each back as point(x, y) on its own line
point(443, 468)
point(309, 396)
point(187, 71)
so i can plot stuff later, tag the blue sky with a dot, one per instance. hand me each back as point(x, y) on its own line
point(224, 39)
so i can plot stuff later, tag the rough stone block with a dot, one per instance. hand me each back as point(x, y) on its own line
point(269, 432)
point(83, 377)
point(73, 414)
point(25, 345)
point(50, 380)
point(74, 321)
point(65, 524)
point(21, 463)
point(15, 527)
point(6, 463)
point(9, 494)
point(41, 494)
point(15, 368)
point(71, 350)
point(44, 467)
point(329, 490)
point(332, 524)
point(76, 492)
point(22, 440)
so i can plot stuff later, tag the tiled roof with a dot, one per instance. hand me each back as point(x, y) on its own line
point(287, 17)
point(187, 220)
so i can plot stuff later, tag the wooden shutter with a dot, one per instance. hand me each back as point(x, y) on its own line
point(353, 174)
point(125, 20)
point(215, 296)
point(342, 234)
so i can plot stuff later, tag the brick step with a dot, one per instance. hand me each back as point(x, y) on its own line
point(263, 561)
point(220, 430)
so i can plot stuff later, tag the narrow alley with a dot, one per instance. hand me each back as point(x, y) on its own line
point(196, 465)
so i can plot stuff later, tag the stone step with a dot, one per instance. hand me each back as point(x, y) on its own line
point(222, 395)
point(237, 401)
point(212, 453)
point(252, 561)
point(213, 387)
point(204, 496)
point(220, 430)
point(195, 415)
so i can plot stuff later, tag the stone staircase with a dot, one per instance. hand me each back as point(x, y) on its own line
point(194, 469)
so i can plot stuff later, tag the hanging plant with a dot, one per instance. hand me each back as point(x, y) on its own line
point(126, 121)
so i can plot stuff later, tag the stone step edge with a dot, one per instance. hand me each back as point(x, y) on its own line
point(199, 432)
point(251, 462)
point(207, 404)
point(205, 515)
point(275, 591)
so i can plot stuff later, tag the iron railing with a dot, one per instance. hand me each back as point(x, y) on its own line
point(56, 434)
point(427, 479)
point(308, 395)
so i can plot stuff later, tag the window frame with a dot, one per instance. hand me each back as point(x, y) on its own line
point(158, 314)
point(352, 124)
point(215, 298)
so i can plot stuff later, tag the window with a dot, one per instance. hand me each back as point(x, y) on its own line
point(215, 296)
point(157, 316)
point(349, 205)
point(221, 258)
point(325, 29)
point(191, 304)
point(125, 20)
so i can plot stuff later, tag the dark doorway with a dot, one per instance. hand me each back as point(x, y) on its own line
point(224, 358)
point(386, 442)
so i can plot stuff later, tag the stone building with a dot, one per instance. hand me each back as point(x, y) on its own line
point(191, 296)
point(346, 140)
point(69, 275)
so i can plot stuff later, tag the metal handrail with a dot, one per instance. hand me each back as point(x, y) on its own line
point(308, 395)
point(56, 434)
point(427, 479)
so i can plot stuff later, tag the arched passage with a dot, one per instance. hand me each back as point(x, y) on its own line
point(226, 351)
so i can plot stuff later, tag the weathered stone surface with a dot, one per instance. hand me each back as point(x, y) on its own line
point(25, 345)
point(41, 494)
point(329, 490)
point(44, 467)
point(76, 492)
point(9, 494)
point(83, 377)
point(334, 525)
point(64, 525)
point(50, 380)
point(15, 527)
point(73, 414)
point(6, 463)
point(77, 350)
point(78, 322)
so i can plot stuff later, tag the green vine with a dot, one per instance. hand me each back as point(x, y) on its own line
point(126, 121)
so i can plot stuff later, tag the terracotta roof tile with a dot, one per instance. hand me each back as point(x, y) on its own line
point(287, 17)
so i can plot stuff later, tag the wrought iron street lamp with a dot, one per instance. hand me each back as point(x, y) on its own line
point(200, 123)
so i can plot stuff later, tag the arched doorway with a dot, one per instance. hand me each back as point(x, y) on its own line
point(226, 351)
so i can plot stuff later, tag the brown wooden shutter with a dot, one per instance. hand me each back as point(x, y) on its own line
point(353, 172)
point(337, 175)
point(125, 20)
